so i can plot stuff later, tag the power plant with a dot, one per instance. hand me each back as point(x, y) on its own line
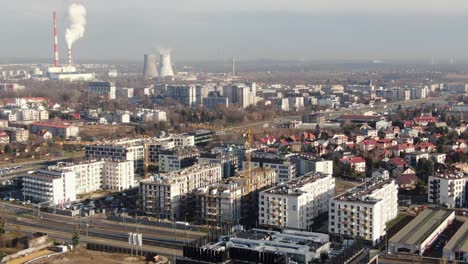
point(165, 67)
point(150, 70)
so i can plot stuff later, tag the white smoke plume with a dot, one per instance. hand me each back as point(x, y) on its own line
point(77, 27)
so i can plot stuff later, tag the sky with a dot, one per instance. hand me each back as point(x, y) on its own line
point(247, 29)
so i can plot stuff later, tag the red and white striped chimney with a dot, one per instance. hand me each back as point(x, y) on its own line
point(56, 53)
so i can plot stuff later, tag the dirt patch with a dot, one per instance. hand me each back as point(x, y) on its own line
point(108, 131)
point(82, 255)
point(341, 186)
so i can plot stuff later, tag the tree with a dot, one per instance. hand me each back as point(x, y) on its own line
point(2, 226)
point(76, 238)
point(7, 149)
point(324, 135)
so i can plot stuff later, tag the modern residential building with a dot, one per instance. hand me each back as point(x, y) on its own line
point(202, 137)
point(55, 187)
point(96, 175)
point(183, 140)
point(156, 146)
point(170, 195)
point(228, 160)
point(412, 158)
point(105, 89)
point(177, 158)
point(364, 210)
point(219, 204)
point(184, 94)
point(285, 170)
point(295, 203)
point(215, 100)
point(448, 189)
point(306, 164)
point(58, 129)
point(125, 149)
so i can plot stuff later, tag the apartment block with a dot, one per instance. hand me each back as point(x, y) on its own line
point(177, 158)
point(295, 203)
point(55, 187)
point(285, 170)
point(448, 189)
point(16, 134)
point(128, 149)
point(364, 210)
point(170, 195)
point(219, 204)
point(104, 89)
point(306, 164)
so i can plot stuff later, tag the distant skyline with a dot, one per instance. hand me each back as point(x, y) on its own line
point(248, 30)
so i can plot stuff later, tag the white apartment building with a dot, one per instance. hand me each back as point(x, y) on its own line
point(55, 187)
point(295, 203)
point(285, 170)
point(219, 203)
point(100, 174)
point(305, 164)
point(168, 195)
point(364, 210)
point(60, 129)
point(156, 146)
point(448, 189)
point(128, 149)
point(176, 159)
point(183, 140)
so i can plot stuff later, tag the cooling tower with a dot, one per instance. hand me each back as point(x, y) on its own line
point(149, 67)
point(165, 69)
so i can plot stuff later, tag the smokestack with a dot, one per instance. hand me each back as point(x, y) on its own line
point(233, 66)
point(165, 69)
point(69, 57)
point(149, 67)
point(56, 53)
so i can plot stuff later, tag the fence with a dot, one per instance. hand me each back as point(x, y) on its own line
point(149, 255)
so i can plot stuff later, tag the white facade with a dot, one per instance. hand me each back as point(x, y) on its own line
point(106, 89)
point(448, 189)
point(167, 195)
point(285, 170)
point(183, 140)
point(364, 210)
point(104, 174)
point(295, 203)
point(55, 187)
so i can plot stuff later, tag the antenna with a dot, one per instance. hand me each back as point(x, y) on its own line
point(233, 66)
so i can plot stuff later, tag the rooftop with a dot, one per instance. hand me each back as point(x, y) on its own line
point(451, 175)
point(361, 193)
point(459, 241)
point(293, 187)
point(421, 227)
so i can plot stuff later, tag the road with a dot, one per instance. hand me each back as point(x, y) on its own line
point(166, 241)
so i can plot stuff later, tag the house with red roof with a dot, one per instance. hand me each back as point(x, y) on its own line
point(407, 181)
point(339, 139)
point(4, 137)
point(367, 145)
point(424, 120)
point(426, 147)
point(385, 143)
point(56, 128)
point(358, 163)
point(401, 148)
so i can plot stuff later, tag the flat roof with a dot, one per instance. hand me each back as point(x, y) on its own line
point(421, 227)
point(459, 241)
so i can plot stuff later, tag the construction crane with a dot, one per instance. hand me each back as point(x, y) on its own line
point(146, 154)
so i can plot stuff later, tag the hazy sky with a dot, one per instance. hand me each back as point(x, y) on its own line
point(248, 29)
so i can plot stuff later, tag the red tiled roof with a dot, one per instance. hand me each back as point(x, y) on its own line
point(407, 178)
point(54, 125)
point(353, 160)
point(398, 161)
point(361, 117)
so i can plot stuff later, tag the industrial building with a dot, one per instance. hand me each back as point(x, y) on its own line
point(104, 89)
point(417, 236)
point(448, 189)
point(262, 246)
point(170, 195)
point(165, 64)
point(295, 203)
point(364, 210)
point(54, 187)
point(457, 247)
point(150, 70)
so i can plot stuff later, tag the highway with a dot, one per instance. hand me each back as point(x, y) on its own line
point(162, 240)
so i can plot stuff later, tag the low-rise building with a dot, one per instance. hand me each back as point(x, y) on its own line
point(58, 129)
point(448, 189)
point(105, 89)
point(306, 164)
point(19, 135)
point(295, 203)
point(364, 210)
point(54, 187)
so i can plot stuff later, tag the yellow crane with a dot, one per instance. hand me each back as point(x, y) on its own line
point(248, 157)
